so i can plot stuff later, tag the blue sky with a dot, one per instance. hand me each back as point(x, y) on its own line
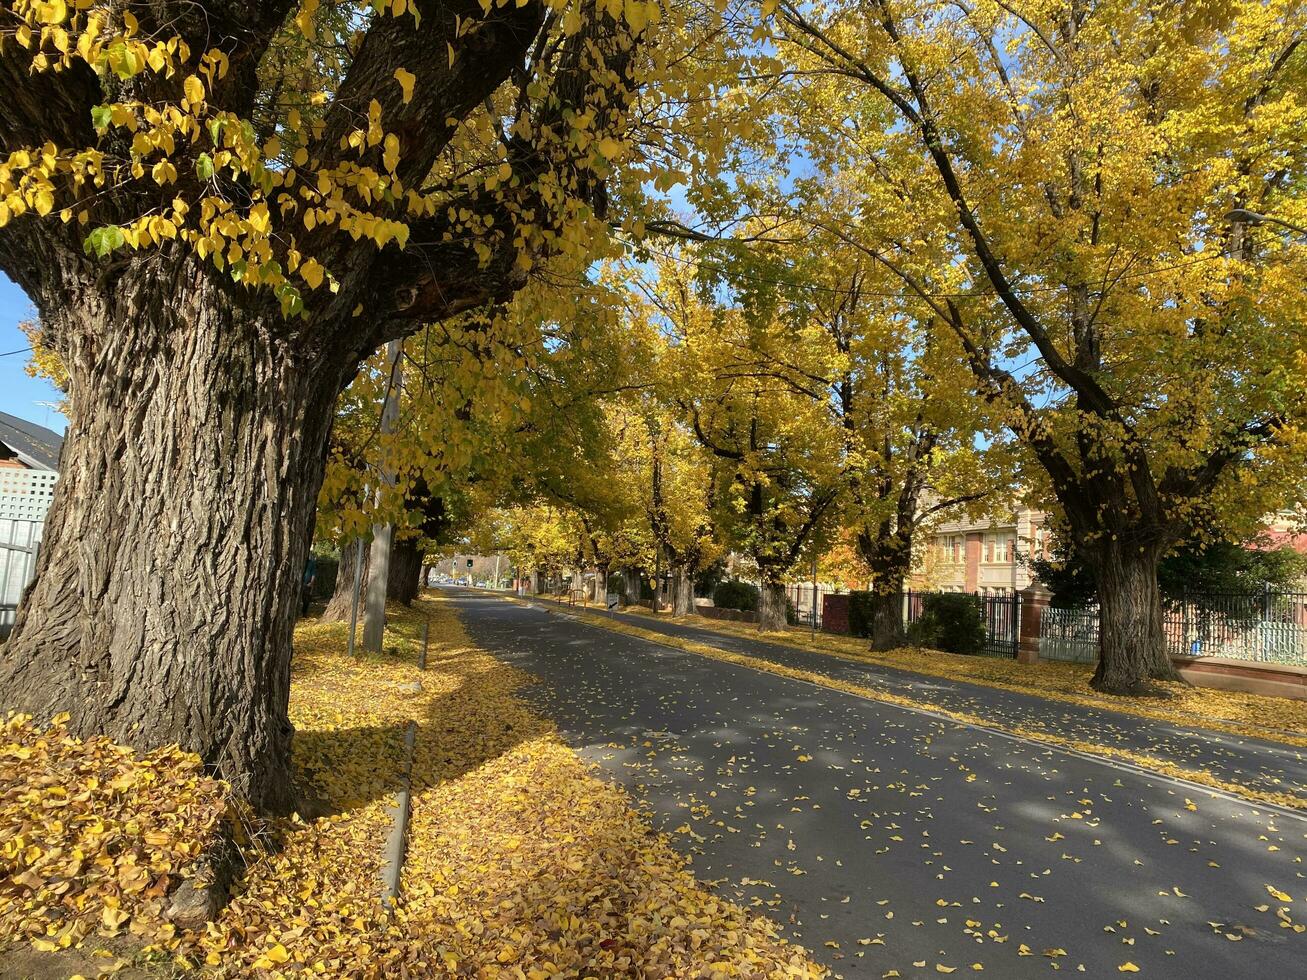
point(19, 394)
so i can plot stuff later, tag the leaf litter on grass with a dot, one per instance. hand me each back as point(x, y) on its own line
point(521, 863)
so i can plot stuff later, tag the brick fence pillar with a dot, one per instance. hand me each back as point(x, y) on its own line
point(1034, 600)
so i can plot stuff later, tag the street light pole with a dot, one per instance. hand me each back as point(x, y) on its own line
point(658, 577)
point(1253, 218)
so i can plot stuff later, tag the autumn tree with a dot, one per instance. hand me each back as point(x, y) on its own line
point(674, 481)
point(1070, 193)
point(909, 428)
point(777, 458)
point(215, 234)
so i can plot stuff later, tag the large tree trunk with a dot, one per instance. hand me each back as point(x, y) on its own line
point(1131, 642)
point(887, 631)
point(405, 570)
point(888, 554)
point(771, 609)
point(168, 584)
point(682, 590)
point(342, 597)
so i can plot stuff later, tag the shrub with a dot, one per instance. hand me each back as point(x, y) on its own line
point(324, 582)
point(736, 595)
point(861, 611)
point(950, 621)
point(706, 582)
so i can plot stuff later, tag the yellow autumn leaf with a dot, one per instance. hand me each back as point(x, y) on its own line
point(312, 273)
point(406, 79)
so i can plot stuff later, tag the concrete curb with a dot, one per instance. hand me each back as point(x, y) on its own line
point(392, 858)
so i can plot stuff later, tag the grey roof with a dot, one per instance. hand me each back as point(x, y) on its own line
point(33, 444)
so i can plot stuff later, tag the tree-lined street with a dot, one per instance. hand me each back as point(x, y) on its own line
point(915, 842)
point(968, 335)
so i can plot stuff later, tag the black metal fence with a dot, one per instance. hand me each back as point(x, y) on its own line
point(1000, 612)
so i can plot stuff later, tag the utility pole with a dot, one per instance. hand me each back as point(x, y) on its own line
point(374, 614)
point(354, 601)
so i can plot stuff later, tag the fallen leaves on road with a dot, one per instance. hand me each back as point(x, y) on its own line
point(1144, 760)
point(1235, 712)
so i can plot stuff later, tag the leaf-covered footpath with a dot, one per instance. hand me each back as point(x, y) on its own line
point(521, 863)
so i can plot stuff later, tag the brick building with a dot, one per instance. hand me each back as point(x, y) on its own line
point(989, 554)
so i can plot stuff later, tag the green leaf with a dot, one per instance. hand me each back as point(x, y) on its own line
point(204, 166)
point(122, 60)
point(102, 241)
point(101, 116)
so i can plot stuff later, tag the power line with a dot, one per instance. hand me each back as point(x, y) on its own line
point(11, 353)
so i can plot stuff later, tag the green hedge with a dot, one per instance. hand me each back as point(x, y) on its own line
point(950, 621)
point(324, 582)
point(861, 611)
point(736, 595)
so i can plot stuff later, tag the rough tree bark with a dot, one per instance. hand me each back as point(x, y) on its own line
point(771, 607)
point(1132, 644)
point(177, 539)
point(682, 590)
point(342, 596)
point(406, 558)
point(888, 555)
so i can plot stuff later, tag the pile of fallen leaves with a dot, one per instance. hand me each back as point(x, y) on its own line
point(94, 838)
point(521, 863)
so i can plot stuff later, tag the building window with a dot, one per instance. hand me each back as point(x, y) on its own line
point(999, 548)
point(1043, 542)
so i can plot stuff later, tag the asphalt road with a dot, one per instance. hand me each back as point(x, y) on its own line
point(887, 839)
point(1255, 762)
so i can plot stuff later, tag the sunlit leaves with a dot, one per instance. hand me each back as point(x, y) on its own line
point(93, 836)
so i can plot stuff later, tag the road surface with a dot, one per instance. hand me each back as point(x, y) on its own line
point(887, 839)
